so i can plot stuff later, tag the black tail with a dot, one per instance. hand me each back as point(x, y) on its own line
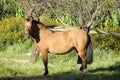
point(89, 51)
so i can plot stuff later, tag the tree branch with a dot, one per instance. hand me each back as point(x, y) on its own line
point(81, 23)
point(106, 12)
point(94, 15)
point(57, 15)
point(64, 28)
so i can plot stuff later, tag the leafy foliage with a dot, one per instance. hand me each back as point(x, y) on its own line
point(10, 8)
point(69, 19)
point(49, 20)
point(112, 21)
point(104, 41)
point(19, 11)
point(11, 31)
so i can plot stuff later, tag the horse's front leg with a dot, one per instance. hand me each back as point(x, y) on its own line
point(44, 55)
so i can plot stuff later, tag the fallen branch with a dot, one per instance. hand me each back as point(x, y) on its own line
point(104, 32)
point(63, 28)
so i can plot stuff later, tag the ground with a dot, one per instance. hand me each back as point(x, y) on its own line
point(106, 66)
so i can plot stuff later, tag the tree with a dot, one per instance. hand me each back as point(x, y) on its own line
point(88, 14)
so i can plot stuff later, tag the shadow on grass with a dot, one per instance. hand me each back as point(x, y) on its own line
point(115, 68)
point(96, 74)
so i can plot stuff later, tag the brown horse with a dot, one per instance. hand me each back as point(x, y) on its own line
point(58, 42)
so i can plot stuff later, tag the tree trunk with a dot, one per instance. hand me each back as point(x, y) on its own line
point(34, 55)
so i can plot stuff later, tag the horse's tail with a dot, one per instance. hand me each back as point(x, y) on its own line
point(89, 51)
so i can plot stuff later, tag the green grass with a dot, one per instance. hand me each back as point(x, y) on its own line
point(106, 66)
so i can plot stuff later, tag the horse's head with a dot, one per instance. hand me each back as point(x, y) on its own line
point(28, 27)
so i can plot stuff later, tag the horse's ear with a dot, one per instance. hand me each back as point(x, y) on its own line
point(30, 19)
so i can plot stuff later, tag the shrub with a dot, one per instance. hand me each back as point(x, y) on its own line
point(104, 41)
point(11, 31)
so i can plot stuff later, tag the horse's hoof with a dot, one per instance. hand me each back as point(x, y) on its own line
point(85, 70)
point(81, 71)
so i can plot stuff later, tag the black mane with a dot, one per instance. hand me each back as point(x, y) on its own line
point(35, 30)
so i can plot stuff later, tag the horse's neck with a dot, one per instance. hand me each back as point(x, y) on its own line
point(45, 30)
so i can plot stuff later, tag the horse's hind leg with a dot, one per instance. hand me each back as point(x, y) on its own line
point(83, 58)
point(79, 63)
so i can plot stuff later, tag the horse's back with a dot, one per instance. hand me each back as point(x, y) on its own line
point(78, 33)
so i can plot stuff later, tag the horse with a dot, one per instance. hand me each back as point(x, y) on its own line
point(48, 41)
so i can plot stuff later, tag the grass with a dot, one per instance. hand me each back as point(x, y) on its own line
point(106, 66)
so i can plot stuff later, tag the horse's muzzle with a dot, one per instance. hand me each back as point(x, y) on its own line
point(27, 35)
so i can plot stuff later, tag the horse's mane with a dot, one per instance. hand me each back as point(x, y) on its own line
point(35, 30)
point(34, 22)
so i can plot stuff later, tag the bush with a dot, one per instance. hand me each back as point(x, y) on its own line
point(11, 31)
point(7, 8)
point(104, 41)
point(11, 8)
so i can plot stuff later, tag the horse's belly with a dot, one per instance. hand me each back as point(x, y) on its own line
point(59, 49)
point(60, 43)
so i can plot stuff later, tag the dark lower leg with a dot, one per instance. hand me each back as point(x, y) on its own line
point(79, 60)
point(45, 62)
point(82, 60)
point(79, 64)
point(44, 55)
point(83, 67)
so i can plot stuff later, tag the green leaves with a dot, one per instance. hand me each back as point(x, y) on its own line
point(19, 11)
point(11, 31)
point(10, 8)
